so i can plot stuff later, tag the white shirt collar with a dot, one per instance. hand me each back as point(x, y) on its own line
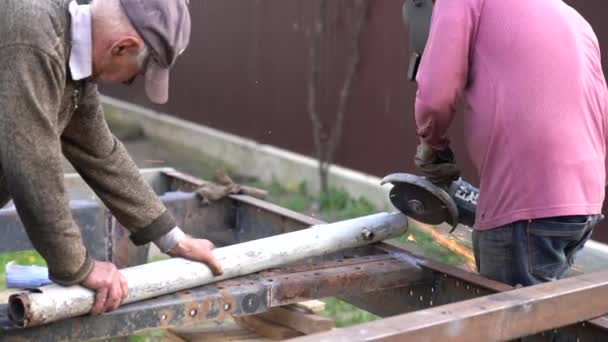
point(81, 55)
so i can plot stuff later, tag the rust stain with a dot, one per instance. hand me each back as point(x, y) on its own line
point(229, 304)
point(306, 285)
point(212, 308)
point(217, 307)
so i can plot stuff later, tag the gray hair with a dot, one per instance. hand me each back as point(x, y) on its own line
point(110, 17)
point(142, 56)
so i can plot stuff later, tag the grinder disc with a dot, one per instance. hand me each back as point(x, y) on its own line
point(421, 200)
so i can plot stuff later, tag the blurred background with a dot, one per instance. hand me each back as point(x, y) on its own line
point(258, 68)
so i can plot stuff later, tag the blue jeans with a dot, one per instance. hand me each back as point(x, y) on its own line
point(533, 251)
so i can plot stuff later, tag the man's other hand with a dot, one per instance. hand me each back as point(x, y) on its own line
point(197, 250)
point(110, 285)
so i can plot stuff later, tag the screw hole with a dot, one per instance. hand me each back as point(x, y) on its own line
point(193, 312)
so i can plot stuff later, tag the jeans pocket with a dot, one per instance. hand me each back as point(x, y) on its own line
point(550, 245)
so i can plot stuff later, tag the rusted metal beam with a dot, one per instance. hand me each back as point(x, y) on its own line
point(498, 317)
point(358, 276)
point(446, 284)
point(449, 285)
point(239, 296)
point(458, 285)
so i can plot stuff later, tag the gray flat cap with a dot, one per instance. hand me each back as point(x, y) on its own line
point(164, 25)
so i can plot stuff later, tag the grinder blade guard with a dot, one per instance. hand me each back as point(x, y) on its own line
point(426, 202)
point(421, 200)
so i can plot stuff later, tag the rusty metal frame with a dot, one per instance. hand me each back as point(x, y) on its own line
point(451, 286)
point(498, 317)
point(236, 297)
point(382, 279)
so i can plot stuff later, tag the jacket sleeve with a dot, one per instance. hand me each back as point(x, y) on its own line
point(31, 83)
point(104, 163)
point(444, 68)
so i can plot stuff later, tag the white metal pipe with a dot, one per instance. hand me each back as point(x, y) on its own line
point(53, 302)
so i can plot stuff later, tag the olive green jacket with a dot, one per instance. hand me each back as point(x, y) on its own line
point(44, 114)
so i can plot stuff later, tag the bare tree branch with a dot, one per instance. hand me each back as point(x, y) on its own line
point(313, 82)
point(313, 86)
point(362, 7)
point(325, 152)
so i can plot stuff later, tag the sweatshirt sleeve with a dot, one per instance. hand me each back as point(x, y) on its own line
point(444, 68)
point(104, 163)
point(31, 82)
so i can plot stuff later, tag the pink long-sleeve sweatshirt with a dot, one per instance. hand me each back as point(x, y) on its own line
point(530, 75)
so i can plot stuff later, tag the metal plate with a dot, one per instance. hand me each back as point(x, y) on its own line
point(421, 200)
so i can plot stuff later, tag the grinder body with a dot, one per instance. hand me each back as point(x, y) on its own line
point(426, 202)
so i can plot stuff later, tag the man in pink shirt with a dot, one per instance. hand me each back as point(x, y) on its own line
point(530, 78)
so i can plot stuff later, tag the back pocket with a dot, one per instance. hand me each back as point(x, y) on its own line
point(550, 242)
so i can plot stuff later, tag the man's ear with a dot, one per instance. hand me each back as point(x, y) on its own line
point(126, 46)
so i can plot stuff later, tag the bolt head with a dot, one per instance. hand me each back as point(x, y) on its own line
point(367, 235)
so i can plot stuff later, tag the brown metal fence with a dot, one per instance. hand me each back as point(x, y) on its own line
point(247, 70)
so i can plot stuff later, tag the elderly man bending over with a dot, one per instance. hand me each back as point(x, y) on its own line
point(52, 54)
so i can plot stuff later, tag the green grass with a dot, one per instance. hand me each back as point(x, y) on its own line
point(336, 205)
point(151, 336)
point(345, 314)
